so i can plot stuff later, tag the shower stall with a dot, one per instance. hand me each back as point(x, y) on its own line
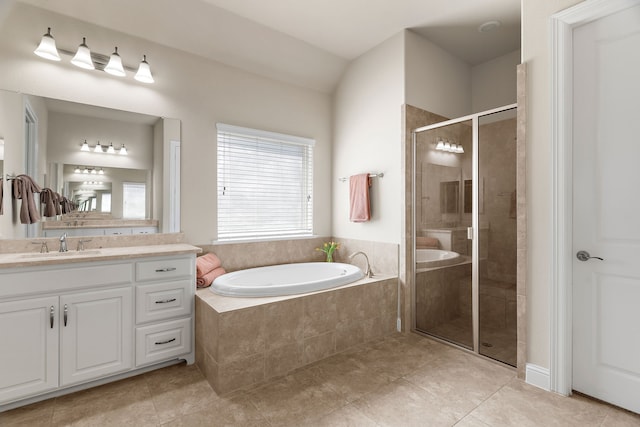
point(464, 225)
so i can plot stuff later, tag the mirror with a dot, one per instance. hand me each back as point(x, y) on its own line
point(120, 183)
point(440, 191)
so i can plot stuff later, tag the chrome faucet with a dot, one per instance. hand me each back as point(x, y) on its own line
point(63, 243)
point(367, 271)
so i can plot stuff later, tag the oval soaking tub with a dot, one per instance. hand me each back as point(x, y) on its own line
point(428, 258)
point(286, 279)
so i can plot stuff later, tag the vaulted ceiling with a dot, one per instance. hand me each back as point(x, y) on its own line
point(305, 42)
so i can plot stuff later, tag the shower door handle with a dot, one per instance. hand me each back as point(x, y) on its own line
point(584, 256)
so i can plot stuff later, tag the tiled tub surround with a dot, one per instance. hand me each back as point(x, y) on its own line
point(383, 257)
point(245, 341)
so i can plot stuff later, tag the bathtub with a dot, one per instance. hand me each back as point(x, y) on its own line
point(285, 279)
point(428, 258)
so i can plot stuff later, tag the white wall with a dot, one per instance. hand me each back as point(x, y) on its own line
point(367, 139)
point(196, 91)
point(535, 53)
point(493, 83)
point(435, 80)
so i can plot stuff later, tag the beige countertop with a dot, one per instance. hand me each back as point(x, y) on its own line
point(27, 259)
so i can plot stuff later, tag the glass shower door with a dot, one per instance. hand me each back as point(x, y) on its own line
point(443, 211)
point(497, 236)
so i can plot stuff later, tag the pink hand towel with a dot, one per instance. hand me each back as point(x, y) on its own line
point(359, 203)
point(207, 263)
point(208, 278)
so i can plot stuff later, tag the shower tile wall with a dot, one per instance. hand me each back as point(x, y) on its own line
point(498, 173)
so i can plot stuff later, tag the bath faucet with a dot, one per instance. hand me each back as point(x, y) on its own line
point(367, 271)
point(63, 243)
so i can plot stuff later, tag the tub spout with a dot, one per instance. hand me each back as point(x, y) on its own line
point(367, 271)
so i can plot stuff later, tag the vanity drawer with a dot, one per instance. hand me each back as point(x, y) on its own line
point(163, 341)
point(160, 301)
point(165, 269)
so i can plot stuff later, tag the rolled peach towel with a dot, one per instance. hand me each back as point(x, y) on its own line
point(208, 278)
point(207, 263)
point(427, 243)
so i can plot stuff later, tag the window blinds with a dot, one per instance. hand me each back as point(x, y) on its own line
point(265, 183)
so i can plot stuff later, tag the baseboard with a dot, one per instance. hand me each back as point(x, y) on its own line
point(538, 376)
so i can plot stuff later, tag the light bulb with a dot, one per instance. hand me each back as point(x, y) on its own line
point(440, 145)
point(144, 72)
point(77, 170)
point(47, 47)
point(111, 150)
point(82, 58)
point(123, 150)
point(85, 146)
point(98, 148)
point(447, 146)
point(114, 67)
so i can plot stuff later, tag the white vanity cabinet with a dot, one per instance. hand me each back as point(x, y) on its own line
point(95, 338)
point(29, 350)
point(65, 325)
point(165, 291)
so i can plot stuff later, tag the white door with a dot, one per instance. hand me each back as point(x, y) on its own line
point(97, 334)
point(29, 347)
point(606, 208)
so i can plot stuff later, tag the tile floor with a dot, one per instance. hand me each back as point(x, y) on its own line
point(402, 380)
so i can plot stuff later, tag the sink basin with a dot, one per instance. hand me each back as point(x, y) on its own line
point(62, 254)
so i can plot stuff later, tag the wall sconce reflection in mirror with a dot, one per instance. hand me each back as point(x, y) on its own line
point(449, 147)
point(88, 60)
point(88, 170)
point(99, 148)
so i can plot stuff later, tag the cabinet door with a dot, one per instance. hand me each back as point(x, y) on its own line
point(28, 347)
point(96, 334)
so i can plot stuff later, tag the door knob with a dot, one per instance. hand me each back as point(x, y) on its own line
point(584, 256)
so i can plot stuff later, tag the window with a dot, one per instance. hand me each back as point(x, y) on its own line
point(265, 183)
point(133, 200)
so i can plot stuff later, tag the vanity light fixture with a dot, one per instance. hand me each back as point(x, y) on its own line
point(88, 60)
point(98, 148)
point(82, 58)
point(47, 47)
point(144, 71)
point(111, 150)
point(85, 146)
point(101, 171)
point(123, 150)
point(114, 67)
point(77, 170)
point(449, 147)
point(86, 170)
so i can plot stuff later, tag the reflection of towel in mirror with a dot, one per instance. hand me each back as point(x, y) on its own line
point(1, 190)
point(51, 203)
point(427, 243)
point(359, 203)
point(23, 188)
point(65, 205)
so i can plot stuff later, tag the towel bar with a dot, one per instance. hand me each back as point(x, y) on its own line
point(371, 175)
